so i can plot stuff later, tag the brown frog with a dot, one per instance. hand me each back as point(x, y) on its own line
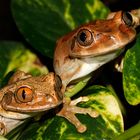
point(93, 44)
point(26, 96)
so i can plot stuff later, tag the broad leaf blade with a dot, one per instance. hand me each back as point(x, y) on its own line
point(2, 138)
point(131, 74)
point(42, 22)
point(15, 55)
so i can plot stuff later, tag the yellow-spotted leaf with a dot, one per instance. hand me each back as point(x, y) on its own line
point(2, 138)
point(131, 74)
point(15, 55)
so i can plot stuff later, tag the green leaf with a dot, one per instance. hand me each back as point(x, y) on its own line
point(74, 89)
point(14, 55)
point(42, 22)
point(132, 133)
point(105, 127)
point(131, 74)
point(2, 138)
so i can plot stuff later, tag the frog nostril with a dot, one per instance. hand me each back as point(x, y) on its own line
point(98, 36)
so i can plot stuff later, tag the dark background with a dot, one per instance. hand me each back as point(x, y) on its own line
point(8, 30)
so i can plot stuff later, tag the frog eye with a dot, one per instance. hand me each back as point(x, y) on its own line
point(24, 94)
point(85, 37)
point(127, 18)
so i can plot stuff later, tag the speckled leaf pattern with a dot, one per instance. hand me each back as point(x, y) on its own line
point(131, 74)
point(14, 55)
point(42, 22)
point(108, 125)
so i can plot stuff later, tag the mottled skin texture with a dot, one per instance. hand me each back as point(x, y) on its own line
point(25, 96)
point(104, 40)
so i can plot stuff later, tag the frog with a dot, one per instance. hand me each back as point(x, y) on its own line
point(88, 47)
point(27, 96)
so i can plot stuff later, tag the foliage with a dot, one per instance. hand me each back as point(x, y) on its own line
point(42, 22)
point(131, 74)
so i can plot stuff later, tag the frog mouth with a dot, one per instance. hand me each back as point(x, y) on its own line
point(95, 55)
point(9, 104)
point(115, 51)
point(31, 110)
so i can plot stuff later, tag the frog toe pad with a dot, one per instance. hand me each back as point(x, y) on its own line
point(70, 109)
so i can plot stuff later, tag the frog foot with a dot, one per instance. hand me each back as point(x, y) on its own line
point(70, 109)
point(119, 64)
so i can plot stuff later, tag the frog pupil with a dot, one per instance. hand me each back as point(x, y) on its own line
point(83, 37)
point(23, 94)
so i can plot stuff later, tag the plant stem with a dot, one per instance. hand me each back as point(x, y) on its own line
point(130, 133)
point(71, 91)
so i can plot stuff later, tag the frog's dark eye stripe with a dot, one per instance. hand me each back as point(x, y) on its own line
point(24, 94)
point(84, 37)
point(127, 18)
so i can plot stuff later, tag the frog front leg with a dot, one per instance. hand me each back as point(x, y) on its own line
point(118, 66)
point(70, 109)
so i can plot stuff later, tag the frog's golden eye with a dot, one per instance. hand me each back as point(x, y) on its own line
point(85, 37)
point(127, 18)
point(24, 94)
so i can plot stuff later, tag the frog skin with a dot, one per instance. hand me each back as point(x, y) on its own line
point(93, 44)
point(87, 48)
point(26, 96)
